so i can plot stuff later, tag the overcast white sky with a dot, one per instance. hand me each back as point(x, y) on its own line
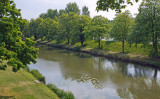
point(33, 8)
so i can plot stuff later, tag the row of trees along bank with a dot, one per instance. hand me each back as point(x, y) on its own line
point(70, 25)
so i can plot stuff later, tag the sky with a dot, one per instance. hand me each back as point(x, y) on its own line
point(33, 8)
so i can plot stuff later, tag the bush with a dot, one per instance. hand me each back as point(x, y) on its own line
point(60, 93)
point(38, 75)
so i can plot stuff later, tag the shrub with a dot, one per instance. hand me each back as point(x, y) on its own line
point(60, 93)
point(38, 75)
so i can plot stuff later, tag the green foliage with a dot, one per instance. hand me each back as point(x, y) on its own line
point(38, 75)
point(122, 26)
point(147, 21)
point(48, 28)
point(97, 29)
point(50, 14)
point(61, 94)
point(16, 52)
point(34, 28)
point(78, 33)
point(67, 21)
point(68, 27)
point(85, 11)
point(72, 7)
point(116, 5)
point(61, 11)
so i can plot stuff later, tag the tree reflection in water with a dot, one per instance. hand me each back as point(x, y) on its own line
point(130, 80)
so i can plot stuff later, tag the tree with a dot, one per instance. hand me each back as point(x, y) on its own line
point(50, 14)
point(85, 11)
point(116, 5)
point(43, 15)
point(78, 31)
point(148, 22)
point(61, 11)
point(72, 7)
point(97, 29)
point(50, 28)
point(122, 26)
point(67, 21)
point(13, 50)
point(33, 27)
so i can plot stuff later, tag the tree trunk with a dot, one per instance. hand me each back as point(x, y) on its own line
point(155, 48)
point(68, 40)
point(136, 45)
point(99, 41)
point(82, 39)
point(130, 45)
point(81, 43)
point(123, 46)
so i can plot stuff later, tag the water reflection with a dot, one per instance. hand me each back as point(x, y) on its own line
point(90, 77)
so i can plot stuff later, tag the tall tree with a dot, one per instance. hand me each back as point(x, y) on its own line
point(33, 27)
point(61, 11)
point(85, 11)
point(43, 15)
point(122, 26)
point(50, 14)
point(67, 21)
point(116, 5)
point(78, 31)
point(98, 29)
point(148, 22)
point(13, 50)
point(72, 7)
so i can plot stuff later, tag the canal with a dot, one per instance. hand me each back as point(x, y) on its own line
point(92, 77)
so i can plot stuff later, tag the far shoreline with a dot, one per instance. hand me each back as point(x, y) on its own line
point(132, 58)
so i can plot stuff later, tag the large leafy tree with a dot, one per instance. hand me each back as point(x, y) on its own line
point(67, 21)
point(116, 5)
point(33, 28)
point(50, 28)
point(97, 29)
point(81, 21)
point(122, 26)
point(85, 11)
point(13, 51)
point(72, 7)
point(50, 14)
point(147, 24)
point(61, 11)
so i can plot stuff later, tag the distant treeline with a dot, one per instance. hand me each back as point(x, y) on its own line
point(71, 25)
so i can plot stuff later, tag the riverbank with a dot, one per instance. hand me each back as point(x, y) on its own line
point(133, 58)
point(22, 85)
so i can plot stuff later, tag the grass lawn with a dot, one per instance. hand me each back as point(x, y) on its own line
point(21, 85)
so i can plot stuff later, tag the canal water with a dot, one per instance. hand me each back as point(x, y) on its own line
point(92, 77)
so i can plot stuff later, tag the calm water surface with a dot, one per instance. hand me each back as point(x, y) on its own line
point(90, 77)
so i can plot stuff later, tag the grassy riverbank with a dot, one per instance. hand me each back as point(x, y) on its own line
point(22, 85)
point(112, 50)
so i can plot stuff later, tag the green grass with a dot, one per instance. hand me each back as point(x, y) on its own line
point(38, 75)
point(61, 93)
point(117, 47)
point(112, 46)
point(21, 85)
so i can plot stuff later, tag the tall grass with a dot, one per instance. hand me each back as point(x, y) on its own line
point(60, 93)
point(38, 75)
